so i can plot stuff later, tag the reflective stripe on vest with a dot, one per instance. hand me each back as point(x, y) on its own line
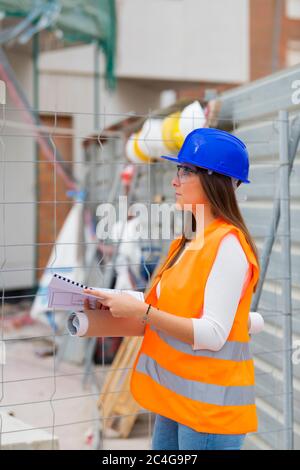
point(232, 350)
point(195, 390)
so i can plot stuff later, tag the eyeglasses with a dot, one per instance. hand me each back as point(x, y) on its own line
point(184, 172)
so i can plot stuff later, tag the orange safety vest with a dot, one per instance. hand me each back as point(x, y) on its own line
point(209, 391)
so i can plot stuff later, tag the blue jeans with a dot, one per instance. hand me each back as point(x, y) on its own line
point(170, 435)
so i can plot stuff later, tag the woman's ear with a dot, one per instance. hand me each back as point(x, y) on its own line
point(235, 183)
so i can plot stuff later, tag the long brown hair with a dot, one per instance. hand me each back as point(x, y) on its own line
point(222, 199)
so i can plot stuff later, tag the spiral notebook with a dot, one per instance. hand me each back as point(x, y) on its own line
point(66, 294)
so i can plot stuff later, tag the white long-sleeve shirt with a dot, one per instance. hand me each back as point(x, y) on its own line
point(228, 278)
point(224, 287)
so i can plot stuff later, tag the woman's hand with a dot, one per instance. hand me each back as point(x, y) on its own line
point(120, 305)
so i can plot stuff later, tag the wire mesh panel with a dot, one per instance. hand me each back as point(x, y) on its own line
point(262, 140)
point(58, 391)
point(51, 383)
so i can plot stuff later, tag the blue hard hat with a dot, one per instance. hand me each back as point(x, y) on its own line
point(215, 150)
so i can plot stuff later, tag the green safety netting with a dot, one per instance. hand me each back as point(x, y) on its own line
point(79, 20)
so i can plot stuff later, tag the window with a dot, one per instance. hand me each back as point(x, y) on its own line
point(292, 9)
point(292, 52)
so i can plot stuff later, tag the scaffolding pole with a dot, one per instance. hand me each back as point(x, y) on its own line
point(284, 183)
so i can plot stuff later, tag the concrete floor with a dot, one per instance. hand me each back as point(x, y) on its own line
point(54, 400)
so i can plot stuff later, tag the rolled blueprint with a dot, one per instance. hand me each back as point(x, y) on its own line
point(101, 323)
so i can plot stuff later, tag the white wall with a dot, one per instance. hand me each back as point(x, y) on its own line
point(67, 86)
point(184, 39)
point(18, 176)
point(175, 40)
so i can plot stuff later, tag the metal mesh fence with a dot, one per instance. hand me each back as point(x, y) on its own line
point(51, 382)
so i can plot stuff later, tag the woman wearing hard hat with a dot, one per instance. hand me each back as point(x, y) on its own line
point(194, 368)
